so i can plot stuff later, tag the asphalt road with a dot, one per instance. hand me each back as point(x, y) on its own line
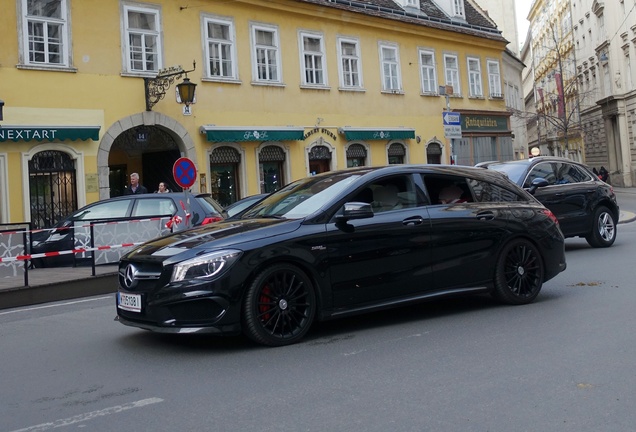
point(564, 363)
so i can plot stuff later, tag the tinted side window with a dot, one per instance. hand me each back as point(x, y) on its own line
point(108, 210)
point(543, 170)
point(154, 207)
point(568, 173)
point(447, 189)
point(488, 192)
point(391, 193)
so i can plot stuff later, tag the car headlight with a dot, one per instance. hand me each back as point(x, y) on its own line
point(204, 266)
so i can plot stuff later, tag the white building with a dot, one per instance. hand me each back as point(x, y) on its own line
point(605, 46)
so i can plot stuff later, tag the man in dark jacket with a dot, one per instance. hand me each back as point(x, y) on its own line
point(135, 187)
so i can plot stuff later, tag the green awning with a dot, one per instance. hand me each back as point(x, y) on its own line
point(252, 133)
point(366, 134)
point(48, 133)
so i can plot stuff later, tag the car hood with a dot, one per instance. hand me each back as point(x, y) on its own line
point(227, 234)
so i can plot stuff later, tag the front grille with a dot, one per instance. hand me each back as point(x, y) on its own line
point(138, 277)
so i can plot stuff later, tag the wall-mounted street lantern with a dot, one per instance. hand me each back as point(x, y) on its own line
point(156, 87)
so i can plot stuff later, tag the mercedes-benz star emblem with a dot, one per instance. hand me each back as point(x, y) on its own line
point(129, 276)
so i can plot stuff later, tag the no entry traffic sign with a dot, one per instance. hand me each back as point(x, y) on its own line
point(184, 172)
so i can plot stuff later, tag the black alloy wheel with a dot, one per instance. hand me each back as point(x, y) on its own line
point(519, 273)
point(279, 307)
point(603, 231)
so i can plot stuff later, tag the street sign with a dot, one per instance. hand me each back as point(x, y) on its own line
point(184, 172)
point(451, 118)
point(452, 124)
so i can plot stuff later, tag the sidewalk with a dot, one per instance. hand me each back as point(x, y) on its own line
point(63, 283)
point(55, 284)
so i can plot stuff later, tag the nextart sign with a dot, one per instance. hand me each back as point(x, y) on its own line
point(59, 133)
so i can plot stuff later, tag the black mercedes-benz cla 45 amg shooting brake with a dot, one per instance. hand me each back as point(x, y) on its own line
point(341, 243)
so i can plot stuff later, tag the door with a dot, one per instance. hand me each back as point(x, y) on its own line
point(466, 233)
point(318, 166)
point(568, 194)
point(51, 187)
point(384, 257)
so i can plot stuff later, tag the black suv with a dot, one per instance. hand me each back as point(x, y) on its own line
point(203, 209)
point(585, 205)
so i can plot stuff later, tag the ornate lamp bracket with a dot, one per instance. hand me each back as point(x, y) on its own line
point(155, 88)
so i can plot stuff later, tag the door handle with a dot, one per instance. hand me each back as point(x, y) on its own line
point(485, 215)
point(412, 221)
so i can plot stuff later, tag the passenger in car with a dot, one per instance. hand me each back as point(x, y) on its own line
point(386, 198)
point(450, 195)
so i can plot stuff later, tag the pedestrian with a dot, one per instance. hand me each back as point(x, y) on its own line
point(135, 187)
point(603, 174)
point(162, 188)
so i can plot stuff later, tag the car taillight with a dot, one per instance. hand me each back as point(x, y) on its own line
point(551, 215)
point(209, 220)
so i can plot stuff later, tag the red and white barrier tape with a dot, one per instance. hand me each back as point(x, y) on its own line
point(66, 252)
point(86, 225)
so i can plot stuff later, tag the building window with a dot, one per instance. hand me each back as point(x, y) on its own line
point(265, 53)
point(434, 153)
point(389, 59)
point(142, 30)
point(494, 79)
point(45, 32)
point(458, 8)
point(225, 165)
point(474, 77)
point(356, 155)
point(271, 163)
point(349, 62)
point(220, 48)
point(312, 59)
point(451, 72)
point(396, 154)
point(427, 67)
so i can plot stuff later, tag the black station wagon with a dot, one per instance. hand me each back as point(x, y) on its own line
point(341, 243)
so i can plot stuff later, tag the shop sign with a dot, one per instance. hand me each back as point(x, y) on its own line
point(321, 130)
point(484, 123)
point(61, 133)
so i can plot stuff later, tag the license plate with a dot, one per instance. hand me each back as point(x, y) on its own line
point(129, 302)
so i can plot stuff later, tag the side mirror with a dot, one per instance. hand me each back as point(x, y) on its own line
point(537, 183)
point(355, 210)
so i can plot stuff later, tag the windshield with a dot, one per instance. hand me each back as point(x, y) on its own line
point(514, 170)
point(301, 198)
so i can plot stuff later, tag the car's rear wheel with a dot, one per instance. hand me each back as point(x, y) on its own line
point(279, 307)
point(603, 231)
point(519, 273)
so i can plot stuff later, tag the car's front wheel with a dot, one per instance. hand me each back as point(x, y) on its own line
point(603, 231)
point(279, 306)
point(519, 273)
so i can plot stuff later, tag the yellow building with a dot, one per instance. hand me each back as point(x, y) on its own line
point(285, 89)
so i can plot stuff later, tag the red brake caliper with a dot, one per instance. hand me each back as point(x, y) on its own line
point(264, 299)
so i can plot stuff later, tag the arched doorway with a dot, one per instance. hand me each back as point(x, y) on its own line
point(152, 120)
point(149, 151)
point(319, 159)
point(52, 187)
